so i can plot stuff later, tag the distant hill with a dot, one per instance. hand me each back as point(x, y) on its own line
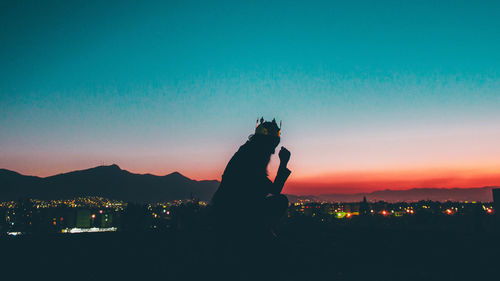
point(115, 183)
point(106, 181)
point(482, 194)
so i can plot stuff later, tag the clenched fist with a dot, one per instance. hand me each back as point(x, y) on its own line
point(284, 155)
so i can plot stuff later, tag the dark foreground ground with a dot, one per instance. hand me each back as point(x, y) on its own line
point(304, 250)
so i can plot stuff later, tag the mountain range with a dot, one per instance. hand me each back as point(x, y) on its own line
point(479, 194)
point(115, 183)
point(106, 181)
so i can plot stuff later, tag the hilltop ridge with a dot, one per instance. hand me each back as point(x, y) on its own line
point(115, 183)
point(107, 181)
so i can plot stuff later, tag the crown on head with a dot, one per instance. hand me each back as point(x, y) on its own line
point(267, 128)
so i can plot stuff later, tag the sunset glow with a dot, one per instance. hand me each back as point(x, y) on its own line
point(374, 97)
point(366, 181)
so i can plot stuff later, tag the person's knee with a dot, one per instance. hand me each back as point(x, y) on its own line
point(282, 200)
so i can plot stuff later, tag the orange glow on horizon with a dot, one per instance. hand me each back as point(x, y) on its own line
point(368, 181)
point(304, 182)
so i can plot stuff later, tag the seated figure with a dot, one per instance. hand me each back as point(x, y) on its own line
point(247, 201)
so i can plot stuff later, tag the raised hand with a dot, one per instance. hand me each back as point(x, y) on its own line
point(284, 155)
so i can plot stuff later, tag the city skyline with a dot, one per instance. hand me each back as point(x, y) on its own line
point(371, 95)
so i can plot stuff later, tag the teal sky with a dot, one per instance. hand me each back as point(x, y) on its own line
point(177, 85)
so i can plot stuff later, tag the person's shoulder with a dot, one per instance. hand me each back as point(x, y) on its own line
point(243, 152)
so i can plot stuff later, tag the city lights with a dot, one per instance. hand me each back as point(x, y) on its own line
point(93, 217)
point(93, 229)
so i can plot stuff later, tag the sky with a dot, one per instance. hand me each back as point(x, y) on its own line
point(372, 94)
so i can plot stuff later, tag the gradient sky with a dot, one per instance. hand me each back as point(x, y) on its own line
point(372, 94)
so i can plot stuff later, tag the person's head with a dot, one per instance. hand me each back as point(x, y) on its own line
point(261, 145)
point(267, 136)
point(264, 144)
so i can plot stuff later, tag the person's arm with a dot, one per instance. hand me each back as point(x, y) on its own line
point(283, 171)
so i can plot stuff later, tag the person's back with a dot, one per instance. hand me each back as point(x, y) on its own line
point(247, 205)
point(242, 197)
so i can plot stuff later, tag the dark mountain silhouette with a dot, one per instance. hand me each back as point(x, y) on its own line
point(115, 183)
point(106, 181)
point(482, 194)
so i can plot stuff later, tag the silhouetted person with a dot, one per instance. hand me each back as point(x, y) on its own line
point(247, 206)
point(247, 200)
